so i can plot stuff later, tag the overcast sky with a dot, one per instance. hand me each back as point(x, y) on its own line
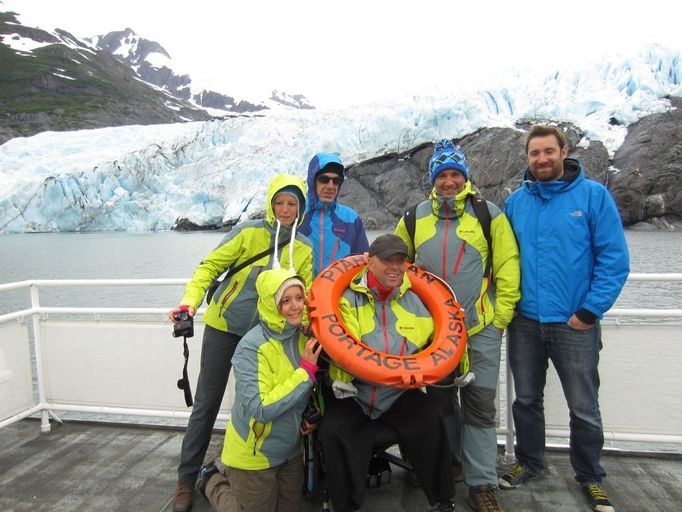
point(352, 51)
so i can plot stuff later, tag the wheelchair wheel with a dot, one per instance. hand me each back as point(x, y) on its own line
point(312, 466)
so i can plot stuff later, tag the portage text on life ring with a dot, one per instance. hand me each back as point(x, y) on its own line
point(427, 366)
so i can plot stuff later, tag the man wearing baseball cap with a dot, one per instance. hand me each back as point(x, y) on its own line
point(380, 308)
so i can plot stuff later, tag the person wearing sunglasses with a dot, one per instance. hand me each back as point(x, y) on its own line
point(335, 230)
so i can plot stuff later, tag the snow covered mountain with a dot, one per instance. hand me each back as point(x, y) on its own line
point(146, 178)
point(52, 80)
point(154, 65)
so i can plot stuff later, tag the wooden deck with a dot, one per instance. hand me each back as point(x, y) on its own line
point(105, 468)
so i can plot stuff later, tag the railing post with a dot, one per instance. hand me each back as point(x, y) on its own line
point(509, 399)
point(37, 336)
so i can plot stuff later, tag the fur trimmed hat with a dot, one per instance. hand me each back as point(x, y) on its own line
point(446, 156)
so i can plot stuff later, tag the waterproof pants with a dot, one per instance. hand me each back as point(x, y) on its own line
point(471, 424)
point(347, 435)
point(217, 349)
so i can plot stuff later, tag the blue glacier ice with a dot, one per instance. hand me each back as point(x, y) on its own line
point(140, 178)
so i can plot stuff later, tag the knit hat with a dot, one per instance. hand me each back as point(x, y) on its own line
point(292, 281)
point(292, 191)
point(385, 246)
point(446, 156)
point(326, 162)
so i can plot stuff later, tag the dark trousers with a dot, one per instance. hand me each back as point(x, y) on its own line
point(575, 356)
point(217, 349)
point(348, 434)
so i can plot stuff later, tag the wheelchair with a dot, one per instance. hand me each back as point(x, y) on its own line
point(378, 472)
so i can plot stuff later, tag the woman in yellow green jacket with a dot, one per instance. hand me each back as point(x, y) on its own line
point(274, 367)
point(232, 311)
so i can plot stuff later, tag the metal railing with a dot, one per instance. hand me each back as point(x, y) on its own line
point(38, 315)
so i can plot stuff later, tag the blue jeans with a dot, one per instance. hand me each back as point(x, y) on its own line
point(575, 355)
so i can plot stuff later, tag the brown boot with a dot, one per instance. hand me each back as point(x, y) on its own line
point(184, 494)
point(481, 498)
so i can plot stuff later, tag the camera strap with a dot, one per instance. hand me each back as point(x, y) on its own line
point(184, 382)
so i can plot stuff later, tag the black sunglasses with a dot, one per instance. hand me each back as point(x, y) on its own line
point(336, 180)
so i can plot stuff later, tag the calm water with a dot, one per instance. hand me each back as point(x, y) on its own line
point(174, 255)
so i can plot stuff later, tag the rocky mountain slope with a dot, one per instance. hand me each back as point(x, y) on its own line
point(644, 176)
point(58, 82)
point(154, 65)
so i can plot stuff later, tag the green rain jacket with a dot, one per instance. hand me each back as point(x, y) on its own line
point(449, 242)
point(233, 306)
point(271, 388)
point(400, 325)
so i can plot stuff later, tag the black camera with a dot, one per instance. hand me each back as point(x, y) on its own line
point(184, 325)
point(311, 414)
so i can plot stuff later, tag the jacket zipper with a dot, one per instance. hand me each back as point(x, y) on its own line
point(257, 435)
point(385, 333)
point(321, 244)
point(227, 296)
point(460, 255)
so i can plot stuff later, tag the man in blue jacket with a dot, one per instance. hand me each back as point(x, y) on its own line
point(335, 229)
point(574, 263)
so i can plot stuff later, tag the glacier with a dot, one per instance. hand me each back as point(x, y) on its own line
point(140, 178)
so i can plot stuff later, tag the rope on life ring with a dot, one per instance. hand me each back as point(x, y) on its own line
point(427, 366)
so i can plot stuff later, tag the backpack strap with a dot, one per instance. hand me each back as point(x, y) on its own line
point(410, 217)
point(480, 206)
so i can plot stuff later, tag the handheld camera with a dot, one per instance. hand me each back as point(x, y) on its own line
point(184, 325)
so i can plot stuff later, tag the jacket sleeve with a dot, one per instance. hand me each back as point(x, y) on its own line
point(214, 264)
point(610, 252)
point(360, 244)
point(506, 270)
point(264, 397)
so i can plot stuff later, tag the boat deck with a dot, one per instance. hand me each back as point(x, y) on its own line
point(102, 467)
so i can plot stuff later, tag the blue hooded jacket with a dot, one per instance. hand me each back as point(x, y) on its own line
point(334, 229)
point(574, 257)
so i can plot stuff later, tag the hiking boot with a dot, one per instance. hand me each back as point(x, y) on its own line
point(457, 473)
point(205, 474)
point(515, 476)
point(184, 494)
point(481, 498)
point(597, 497)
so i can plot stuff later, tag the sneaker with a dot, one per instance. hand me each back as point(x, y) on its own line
point(599, 501)
point(184, 494)
point(481, 498)
point(457, 473)
point(515, 476)
point(205, 474)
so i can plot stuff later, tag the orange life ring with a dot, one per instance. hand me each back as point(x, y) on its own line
point(427, 366)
